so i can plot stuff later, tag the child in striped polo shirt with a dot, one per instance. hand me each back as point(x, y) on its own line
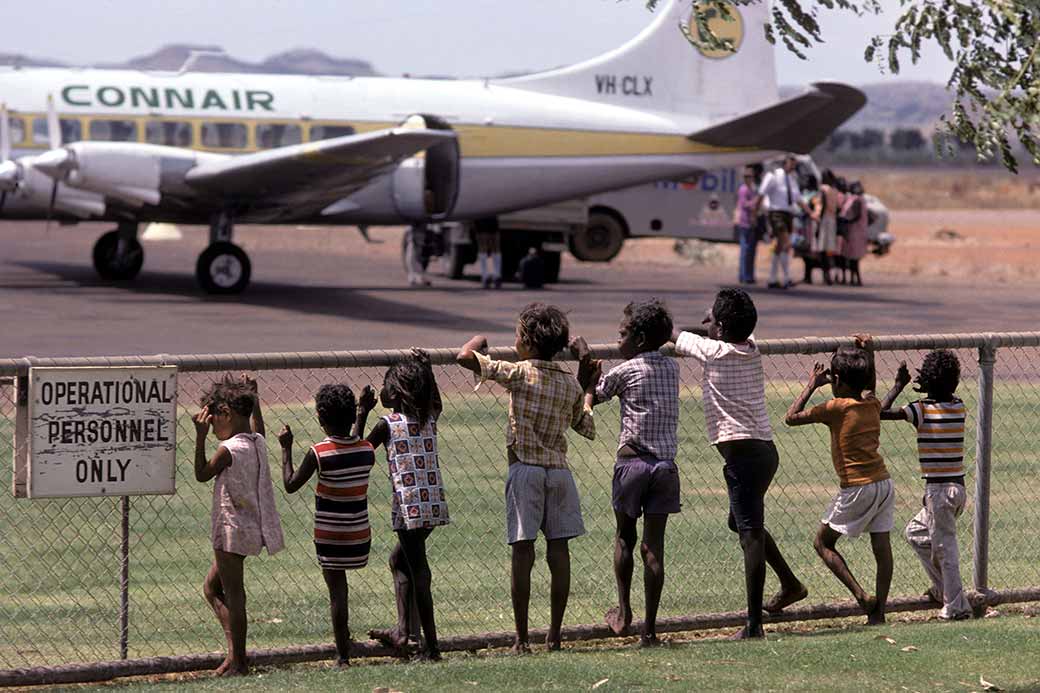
point(939, 420)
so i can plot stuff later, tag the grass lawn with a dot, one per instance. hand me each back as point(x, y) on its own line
point(60, 564)
point(930, 656)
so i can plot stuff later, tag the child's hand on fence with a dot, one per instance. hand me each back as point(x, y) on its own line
point(819, 376)
point(422, 356)
point(580, 348)
point(902, 375)
point(589, 373)
point(864, 341)
point(285, 438)
point(251, 383)
point(367, 401)
point(202, 422)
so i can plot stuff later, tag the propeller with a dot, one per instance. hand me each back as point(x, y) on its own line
point(8, 169)
point(54, 163)
point(53, 124)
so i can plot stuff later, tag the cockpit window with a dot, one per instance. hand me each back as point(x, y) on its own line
point(71, 131)
point(225, 135)
point(327, 132)
point(272, 135)
point(113, 130)
point(169, 133)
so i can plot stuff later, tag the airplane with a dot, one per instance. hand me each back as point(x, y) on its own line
point(133, 147)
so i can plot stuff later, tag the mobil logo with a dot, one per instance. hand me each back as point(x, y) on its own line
point(723, 180)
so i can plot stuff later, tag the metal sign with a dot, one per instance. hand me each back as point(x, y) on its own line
point(101, 431)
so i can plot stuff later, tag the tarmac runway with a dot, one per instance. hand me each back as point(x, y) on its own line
point(319, 289)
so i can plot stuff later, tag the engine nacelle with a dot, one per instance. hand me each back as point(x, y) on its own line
point(130, 172)
point(426, 186)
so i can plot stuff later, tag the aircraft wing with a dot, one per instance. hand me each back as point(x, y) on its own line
point(327, 169)
point(798, 124)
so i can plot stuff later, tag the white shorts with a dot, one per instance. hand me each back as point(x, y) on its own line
point(858, 509)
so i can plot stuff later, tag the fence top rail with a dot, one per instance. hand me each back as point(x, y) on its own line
point(385, 357)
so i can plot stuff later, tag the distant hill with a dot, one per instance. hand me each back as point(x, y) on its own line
point(171, 58)
point(896, 105)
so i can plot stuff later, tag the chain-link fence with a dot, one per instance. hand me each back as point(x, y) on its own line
point(61, 567)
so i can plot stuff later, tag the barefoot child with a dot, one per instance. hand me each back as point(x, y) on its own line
point(342, 537)
point(419, 505)
point(646, 480)
point(866, 500)
point(244, 517)
point(544, 400)
point(939, 420)
point(738, 426)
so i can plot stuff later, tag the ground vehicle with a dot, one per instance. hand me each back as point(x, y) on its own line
point(594, 229)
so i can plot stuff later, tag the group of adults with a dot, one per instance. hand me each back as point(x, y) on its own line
point(824, 222)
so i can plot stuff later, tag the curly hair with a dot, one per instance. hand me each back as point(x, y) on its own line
point(228, 392)
point(735, 310)
point(335, 405)
point(650, 319)
point(852, 366)
point(544, 328)
point(411, 382)
point(940, 372)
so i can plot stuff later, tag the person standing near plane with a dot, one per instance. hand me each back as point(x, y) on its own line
point(780, 189)
point(744, 217)
point(489, 248)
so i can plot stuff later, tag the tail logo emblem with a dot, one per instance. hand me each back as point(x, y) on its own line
point(728, 29)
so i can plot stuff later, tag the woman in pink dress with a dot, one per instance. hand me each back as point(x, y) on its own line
point(854, 211)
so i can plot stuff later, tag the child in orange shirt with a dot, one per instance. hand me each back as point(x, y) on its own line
point(866, 500)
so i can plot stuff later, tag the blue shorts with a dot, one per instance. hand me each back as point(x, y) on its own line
point(645, 484)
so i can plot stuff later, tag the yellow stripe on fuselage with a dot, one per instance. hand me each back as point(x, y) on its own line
point(475, 141)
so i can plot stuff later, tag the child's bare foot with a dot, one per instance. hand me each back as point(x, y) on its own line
point(649, 640)
point(876, 616)
point(391, 638)
point(552, 645)
point(785, 597)
point(868, 603)
point(219, 671)
point(746, 634)
point(520, 648)
point(230, 668)
point(342, 662)
point(427, 656)
point(617, 621)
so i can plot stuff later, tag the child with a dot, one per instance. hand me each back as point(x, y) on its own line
point(866, 500)
point(544, 399)
point(342, 537)
point(939, 420)
point(646, 479)
point(244, 517)
point(410, 437)
point(738, 426)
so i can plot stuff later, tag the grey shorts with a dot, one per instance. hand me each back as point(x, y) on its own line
point(543, 499)
point(645, 485)
point(869, 508)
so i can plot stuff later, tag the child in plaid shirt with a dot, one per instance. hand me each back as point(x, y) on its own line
point(738, 426)
point(646, 480)
point(544, 400)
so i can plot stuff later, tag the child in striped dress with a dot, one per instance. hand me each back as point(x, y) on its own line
point(343, 462)
point(939, 419)
point(409, 434)
point(244, 518)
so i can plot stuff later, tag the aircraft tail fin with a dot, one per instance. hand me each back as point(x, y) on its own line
point(797, 124)
point(660, 70)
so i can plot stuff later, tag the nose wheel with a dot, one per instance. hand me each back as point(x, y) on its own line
point(223, 268)
point(118, 257)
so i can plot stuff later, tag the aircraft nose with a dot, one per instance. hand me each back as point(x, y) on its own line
point(8, 176)
point(54, 163)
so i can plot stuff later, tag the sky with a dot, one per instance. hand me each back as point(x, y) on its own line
point(443, 37)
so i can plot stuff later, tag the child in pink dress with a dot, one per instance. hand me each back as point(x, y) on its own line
point(244, 517)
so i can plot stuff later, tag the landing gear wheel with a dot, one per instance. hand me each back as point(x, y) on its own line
point(600, 241)
point(223, 268)
point(114, 263)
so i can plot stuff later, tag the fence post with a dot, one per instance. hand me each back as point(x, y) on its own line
point(983, 449)
point(124, 577)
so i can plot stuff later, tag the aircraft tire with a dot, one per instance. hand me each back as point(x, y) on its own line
point(113, 267)
point(223, 268)
point(601, 240)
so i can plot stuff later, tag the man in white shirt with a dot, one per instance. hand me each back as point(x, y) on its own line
point(780, 189)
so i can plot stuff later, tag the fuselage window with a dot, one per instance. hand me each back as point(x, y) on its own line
point(327, 132)
point(71, 131)
point(271, 135)
point(17, 129)
point(113, 130)
point(169, 133)
point(224, 135)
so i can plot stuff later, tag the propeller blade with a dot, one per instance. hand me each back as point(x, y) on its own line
point(3, 199)
point(53, 124)
point(5, 134)
point(50, 207)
